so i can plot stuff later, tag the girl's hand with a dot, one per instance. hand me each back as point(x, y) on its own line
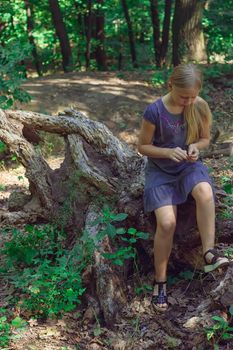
point(193, 153)
point(177, 154)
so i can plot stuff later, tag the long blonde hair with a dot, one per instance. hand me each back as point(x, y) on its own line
point(197, 114)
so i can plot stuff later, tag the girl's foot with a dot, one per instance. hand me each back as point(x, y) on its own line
point(159, 298)
point(213, 260)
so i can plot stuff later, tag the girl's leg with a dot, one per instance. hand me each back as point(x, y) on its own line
point(166, 224)
point(203, 196)
point(205, 211)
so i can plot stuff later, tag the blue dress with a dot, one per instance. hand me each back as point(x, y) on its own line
point(166, 181)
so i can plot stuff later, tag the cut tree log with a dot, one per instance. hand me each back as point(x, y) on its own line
point(97, 168)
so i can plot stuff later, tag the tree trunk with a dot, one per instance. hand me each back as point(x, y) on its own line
point(188, 39)
point(130, 33)
point(156, 30)
point(80, 32)
point(166, 29)
point(30, 27)
point(88, 33)
point(97, 165)
point(61, 33)
point(100, 51)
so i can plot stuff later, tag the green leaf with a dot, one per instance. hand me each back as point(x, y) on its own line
point(188, 275)
point(227, 336)
point(118, 262)
point(210, 334)
point(3, 99)
point(132, 231)
point(14, 157)
point(97, 331)
point(3, 319)
point(142, 235)
point(18, 322)
point(2, 146)
point(29, 228)
point(120, 217)
point(111, 230)
point(120, 231)
point(231, 310)
point(220, 320)
point(228, 188)
point(125, 239)
point(132, 240)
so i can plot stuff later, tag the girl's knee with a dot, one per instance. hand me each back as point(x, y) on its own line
point(203, 192)
point(167, 226)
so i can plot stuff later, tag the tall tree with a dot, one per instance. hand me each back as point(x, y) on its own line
point(156, 30)
point(160, 44)
point(100, 36)
point(130, 33)
point(30, 27)
point(80, 30)
point(88, 21)
point(61, 33)
point(188, 38)
point(166, 30)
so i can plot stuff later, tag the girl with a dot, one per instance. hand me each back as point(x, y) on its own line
point(174, 129)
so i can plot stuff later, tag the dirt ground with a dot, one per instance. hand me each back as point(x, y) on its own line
point(103, 96)
point(117, 100)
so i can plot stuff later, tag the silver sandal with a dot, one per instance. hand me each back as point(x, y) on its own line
point(215, 262)
point(160, 298)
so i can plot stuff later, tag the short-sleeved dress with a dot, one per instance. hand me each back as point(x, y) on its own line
point(166, 181)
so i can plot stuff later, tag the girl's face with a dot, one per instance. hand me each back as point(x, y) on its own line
point(183, 97)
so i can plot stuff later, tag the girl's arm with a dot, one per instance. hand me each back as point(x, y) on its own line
point(146, 148)
point(201, 143)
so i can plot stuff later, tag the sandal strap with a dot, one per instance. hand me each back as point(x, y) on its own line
point(159, 299)
point(159, 283)
point(214, 258)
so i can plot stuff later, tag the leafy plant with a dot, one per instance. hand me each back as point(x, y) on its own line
point(143, 289)
point(2, 187)
point(5, 330)
point(2, 147)
point(47, 274)
point(221, 329)
point(129, 236)
point(6, 327)
point(12, 73)
point(160, 77)
point(229, 252)
point(227, 213)
point(183, 275)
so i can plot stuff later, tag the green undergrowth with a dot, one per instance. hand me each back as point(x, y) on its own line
point(46, 275)
point(9, 325)
point(221, 330)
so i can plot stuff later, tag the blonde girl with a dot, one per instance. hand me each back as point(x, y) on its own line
point(174, 129)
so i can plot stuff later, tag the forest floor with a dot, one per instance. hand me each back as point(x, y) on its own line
point(118, 100)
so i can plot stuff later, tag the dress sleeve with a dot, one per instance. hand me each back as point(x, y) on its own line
point(151, 114)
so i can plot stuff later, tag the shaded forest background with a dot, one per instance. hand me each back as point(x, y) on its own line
point(41, 37)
